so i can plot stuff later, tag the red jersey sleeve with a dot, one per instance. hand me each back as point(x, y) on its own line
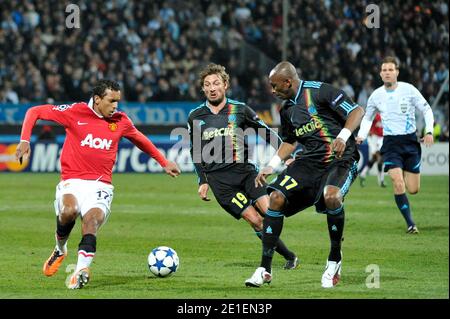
point(48, 112)
point(143, 143)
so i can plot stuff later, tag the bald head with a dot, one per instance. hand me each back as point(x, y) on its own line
point(284, 80)
point(286, 70)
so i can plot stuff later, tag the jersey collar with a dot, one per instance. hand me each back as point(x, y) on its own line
point(300, 87)
point(207, 105)
point(390, 90)
point(91, 106)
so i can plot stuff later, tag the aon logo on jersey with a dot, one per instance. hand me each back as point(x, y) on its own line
point(97, 142)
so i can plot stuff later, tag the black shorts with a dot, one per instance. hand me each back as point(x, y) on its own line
point(234, 188)
point(402, 151)
point(302, 183)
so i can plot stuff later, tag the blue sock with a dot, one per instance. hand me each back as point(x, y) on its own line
point(272, 226)
point(281, 247)
point(403, 206)
point(335, 230)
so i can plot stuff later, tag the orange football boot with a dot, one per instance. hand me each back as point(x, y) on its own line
point(52, 264)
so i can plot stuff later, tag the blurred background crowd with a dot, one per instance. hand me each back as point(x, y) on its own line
point(155, 48)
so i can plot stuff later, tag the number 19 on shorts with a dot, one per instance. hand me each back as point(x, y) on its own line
point(240, 200)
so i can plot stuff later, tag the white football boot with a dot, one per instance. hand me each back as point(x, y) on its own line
point(259, 277)
point(332, 274)
point(79, 279)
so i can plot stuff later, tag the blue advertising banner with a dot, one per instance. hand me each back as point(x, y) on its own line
point(153, 113)
point(157, 113)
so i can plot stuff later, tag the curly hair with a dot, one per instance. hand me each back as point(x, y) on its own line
point(213, 68)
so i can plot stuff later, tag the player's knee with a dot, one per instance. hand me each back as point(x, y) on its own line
point(333, 202)
point(257, 225)
point(68, 213)
point(277, 200)
point(332, 197)
point(398, 185)
point(254, 219)
point(413, 190)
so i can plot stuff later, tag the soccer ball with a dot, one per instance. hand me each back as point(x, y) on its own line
point(163, 261)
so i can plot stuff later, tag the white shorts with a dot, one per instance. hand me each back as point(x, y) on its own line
point(374, 142)
point(89, 194)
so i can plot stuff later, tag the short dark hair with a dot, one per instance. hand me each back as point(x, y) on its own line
point(102, 85)
point(391, 59)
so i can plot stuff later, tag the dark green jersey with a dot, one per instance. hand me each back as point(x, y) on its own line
point(314, 118)
point(218, 141)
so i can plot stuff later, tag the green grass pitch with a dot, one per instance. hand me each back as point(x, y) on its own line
point(217, 253)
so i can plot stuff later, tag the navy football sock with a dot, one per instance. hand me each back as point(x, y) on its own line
point(281, 248)
point(335, 230)
point(272, 226)
point(284, 251)
point(403, 206)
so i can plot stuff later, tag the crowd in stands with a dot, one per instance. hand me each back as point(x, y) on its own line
point(155, 48)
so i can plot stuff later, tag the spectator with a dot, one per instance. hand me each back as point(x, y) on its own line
point(365, 93)
point(155, 41)
point(347, 88)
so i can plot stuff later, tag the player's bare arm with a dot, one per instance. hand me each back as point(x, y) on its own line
point(23, 151)
point(203, 192)
point(172, 169)
point(428, 140)
point(352, 123)
point(283, 153)
point(359, 140)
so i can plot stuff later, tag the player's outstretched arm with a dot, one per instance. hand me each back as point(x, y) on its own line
point(147, 146)
point(44, 112)
point(172, 169)
point(23, 151)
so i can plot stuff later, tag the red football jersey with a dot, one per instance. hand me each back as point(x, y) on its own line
point(90, 148)
point(377, 127)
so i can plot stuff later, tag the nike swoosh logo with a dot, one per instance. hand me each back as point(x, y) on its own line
point(81, 123)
